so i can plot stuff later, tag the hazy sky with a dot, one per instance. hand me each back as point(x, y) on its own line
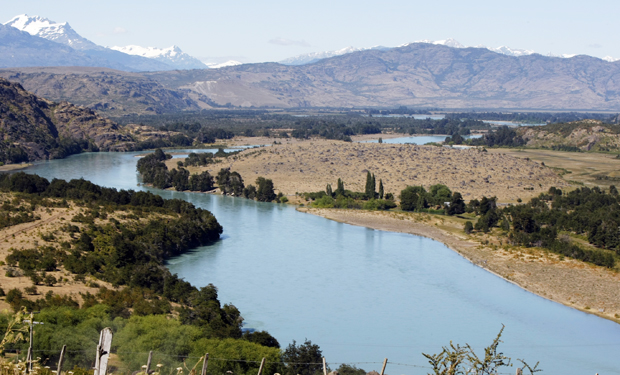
point(271, 30)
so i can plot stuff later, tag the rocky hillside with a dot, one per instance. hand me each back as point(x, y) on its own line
point(417, 75)
point(34, 128)
point(588, 135)
point(420, 75)
point(112, 92)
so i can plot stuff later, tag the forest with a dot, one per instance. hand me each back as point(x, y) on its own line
point(534, 117)
point(209, 126)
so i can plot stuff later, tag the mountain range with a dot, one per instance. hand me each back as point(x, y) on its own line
point(87, 53)
point(421, 75)
point(309, 58)
point(418, 75)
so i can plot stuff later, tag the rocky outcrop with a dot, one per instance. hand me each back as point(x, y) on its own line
point(34, 128)
point(588, 135)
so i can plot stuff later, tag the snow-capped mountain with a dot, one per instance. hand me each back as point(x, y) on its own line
point(172, 56)
point(50, 30)
point(315, 56)
point(224, 64)
point(309, 58)
point(131, 58)
point(445, 42)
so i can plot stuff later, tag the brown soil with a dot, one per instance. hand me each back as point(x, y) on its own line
point(573, 283)
point(307, 166)
point(29, 235)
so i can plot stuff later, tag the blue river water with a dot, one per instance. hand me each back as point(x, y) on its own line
point(364, 295)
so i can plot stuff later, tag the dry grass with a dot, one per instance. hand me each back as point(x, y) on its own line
point(584, 167)
point(306, 166)
point(29, 235)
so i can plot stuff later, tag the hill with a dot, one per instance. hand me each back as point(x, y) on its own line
point(588, 135)
point(420, 75)
point(34, 128)
point(109, 91)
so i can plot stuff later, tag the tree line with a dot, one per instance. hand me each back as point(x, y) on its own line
point(154, 171)
point(547, 220)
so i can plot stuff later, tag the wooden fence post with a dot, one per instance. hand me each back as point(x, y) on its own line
point(148, 362)
point(62, 356)
point(204, 365)
point(260, 369)
point(324, 367)
point(384, 364)
point(103, 351)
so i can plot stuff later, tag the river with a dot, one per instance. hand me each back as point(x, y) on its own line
point(364, 295)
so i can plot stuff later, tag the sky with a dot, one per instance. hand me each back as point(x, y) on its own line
point(272, 30)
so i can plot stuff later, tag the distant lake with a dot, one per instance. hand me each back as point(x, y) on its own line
point(419, 139)
point(417, 117)
point(509, 123)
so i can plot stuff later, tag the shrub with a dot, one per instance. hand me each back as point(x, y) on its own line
point(469, 227)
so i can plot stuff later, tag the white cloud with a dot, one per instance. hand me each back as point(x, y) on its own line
point(288, 42)
point(119, 30)
point(116, 31)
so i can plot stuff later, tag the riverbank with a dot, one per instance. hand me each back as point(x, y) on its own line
point(575, 284)
point(14, 167)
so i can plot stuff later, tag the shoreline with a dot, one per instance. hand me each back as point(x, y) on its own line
point(530, 275)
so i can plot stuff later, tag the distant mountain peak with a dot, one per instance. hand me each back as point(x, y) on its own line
point(224, 64)
point(453, 43)
point(173, 56)
point(309, 58)
point(50, 30)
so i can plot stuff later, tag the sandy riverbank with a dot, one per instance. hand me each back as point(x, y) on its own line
point(572, 283)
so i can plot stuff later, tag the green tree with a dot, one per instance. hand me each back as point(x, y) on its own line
point(440, 194)
point(262, 338)
point(305, 359)
point(230, 182)
point(264, 191)
point(469, 227)
point(328, 190)
point(340, 189)
point(249, 192)
point(370, 186)
point(457, 204)
point(380, 189)
point(412, 198)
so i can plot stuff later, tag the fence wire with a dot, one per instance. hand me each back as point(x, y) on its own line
point(198, 359)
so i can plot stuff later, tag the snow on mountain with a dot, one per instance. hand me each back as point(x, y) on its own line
point(50, 30)
point(316, 56)
point(445, 42)
point(224, 64)
point(510, 51)
point(172, 56)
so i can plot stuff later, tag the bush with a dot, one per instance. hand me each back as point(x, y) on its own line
point(469, 227)
point(324, 202)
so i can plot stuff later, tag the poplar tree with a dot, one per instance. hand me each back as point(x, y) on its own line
point(340, 188)
point(380, 189)
point(370, 186)
point(328, 190)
